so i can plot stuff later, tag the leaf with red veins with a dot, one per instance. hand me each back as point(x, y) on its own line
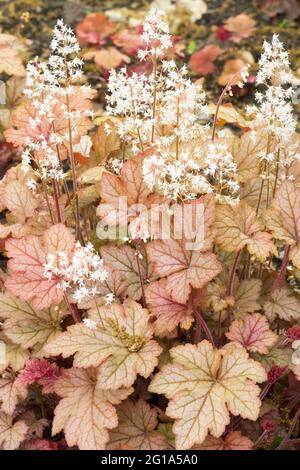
point(237, 226)
point(12, 433)
point(27, 279)
point(253, 332)
point(85, 412)
point(123, 260)
point(11, 393)
point(169, 314)
point(184, 268)
point(121, 345)
point(283, 219)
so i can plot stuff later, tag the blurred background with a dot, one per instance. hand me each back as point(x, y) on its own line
point(213, 37)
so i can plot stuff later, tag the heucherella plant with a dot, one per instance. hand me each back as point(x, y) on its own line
point(151, 293)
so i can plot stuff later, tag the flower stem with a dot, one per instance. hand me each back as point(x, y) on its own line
point(200, 320)
point(56, 200)
point(285, 261)
point(231, 283)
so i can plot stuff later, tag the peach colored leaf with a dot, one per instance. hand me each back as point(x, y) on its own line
point(283, 303)
point(283, 219)
point(27, 326)
point(234, 440)
point(203, 385)
point(10, 393)
point(20, 200)
point(10, 61)
point(108, 58)
point(246, 297)
point(241, 26)
point(130, 183)
point(230, 72)
point(169, 314)
point(184, 268)
point(15, 355)
point(94, 29)
point(105, 141)
point(129, 41)
point(137, 423)
point(253, 332)
point(27, 279)
point(202, 62)
point(12, 434)
point(246, 154)
point(123, 261)
point(85, 412)
point(237, 226)
point(121, 345)
point(58, 238)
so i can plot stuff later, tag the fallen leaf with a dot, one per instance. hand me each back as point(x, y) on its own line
point(94, 29)
point(202, 62)
point(241, 26)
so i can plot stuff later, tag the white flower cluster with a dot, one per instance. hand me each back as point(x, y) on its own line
point(155, 35)
point(81, 273)
point(221, 167)
point(274, 109)
point(49, 86)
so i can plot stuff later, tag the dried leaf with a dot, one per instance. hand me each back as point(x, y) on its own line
point(204, 385)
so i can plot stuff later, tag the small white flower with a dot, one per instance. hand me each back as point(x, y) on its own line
point(91, 324)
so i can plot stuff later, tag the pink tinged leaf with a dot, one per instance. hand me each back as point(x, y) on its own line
point(253, 332)
point(169, 314)
point(184, 268)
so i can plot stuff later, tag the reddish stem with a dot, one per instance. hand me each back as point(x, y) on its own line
point(230, 284)
point(56, 200)
point(200, 320)
point(281, 275)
